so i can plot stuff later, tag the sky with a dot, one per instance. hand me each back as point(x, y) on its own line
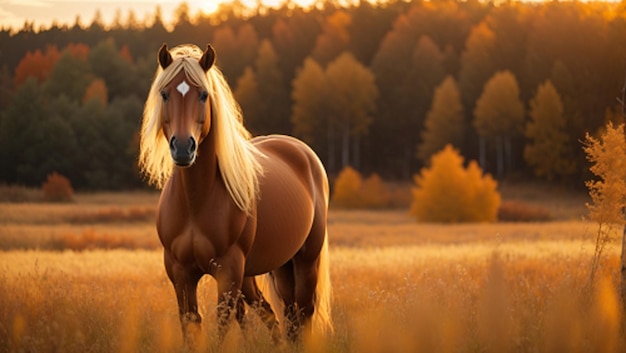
point(13, 13)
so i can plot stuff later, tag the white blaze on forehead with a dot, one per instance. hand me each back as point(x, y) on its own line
point(183, 88)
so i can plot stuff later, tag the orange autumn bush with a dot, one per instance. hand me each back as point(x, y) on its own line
point(352, 192)
point(57, 188)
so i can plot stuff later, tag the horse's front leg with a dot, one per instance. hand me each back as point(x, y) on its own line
point(185, 283)
point(229, 277)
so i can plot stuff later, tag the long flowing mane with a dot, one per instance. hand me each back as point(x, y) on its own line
point(237, 157)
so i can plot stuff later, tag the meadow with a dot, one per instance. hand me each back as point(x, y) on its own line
point(87, 276)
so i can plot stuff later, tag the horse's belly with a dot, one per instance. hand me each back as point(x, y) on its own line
point(284, 217)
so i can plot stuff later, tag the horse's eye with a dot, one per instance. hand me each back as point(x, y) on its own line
point(165, 95)
point(203, 96)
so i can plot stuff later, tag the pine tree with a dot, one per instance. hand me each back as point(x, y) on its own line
point(548, 150)
point(444, 122)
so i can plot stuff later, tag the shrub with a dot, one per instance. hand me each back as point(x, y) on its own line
point(351, 191)
point(374, 193)
point(347, 189)
point(57, 188)
point(448, 193)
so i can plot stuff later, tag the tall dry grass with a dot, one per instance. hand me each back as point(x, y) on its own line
point(104, 220)
point(514, 297)
point(399, 286)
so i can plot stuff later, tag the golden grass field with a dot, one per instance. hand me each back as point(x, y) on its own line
point(399, 286)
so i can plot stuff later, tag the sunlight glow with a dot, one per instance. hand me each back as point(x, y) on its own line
point(42, 13)
point(209, 7)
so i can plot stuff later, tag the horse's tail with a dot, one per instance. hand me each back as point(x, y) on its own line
point(322, 320)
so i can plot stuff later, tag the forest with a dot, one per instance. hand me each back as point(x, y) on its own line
point(379, 87)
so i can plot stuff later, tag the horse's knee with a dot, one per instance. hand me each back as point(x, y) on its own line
point(190, 319)
point(297, 318)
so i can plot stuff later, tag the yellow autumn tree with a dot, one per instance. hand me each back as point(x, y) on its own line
point(608, 194)
point(446, 192)
point(608, 156)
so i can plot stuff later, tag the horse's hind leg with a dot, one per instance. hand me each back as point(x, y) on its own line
point(306, 280)
point(296, 282)
point(254, 298)
point(286, 286)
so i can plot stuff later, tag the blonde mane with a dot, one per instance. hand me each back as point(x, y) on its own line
point(236, 156)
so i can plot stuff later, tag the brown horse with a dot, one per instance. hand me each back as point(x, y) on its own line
point(231, 206)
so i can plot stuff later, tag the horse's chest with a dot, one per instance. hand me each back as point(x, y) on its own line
point(192, 242)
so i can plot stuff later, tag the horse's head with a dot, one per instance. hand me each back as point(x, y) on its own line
point(186, 106)
point(189, 101)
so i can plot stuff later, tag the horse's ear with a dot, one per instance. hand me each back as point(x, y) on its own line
point(208, 58)
point(165, 58)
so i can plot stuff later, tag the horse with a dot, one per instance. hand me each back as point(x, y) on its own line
point(247, 211)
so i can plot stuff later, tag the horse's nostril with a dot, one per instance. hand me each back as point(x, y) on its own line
point(192, 145)
point(173, 143)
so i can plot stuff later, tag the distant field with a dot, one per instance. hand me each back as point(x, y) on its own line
point(399, 286)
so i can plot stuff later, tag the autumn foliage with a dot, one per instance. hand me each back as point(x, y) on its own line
point(449, 193)
point(608, 193)
point(37, 64)
point(609, 165)
point(57, 188)
point(352, 192)
point(97, 90)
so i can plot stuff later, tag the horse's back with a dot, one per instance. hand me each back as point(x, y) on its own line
point(293, 191)
point(296, 154)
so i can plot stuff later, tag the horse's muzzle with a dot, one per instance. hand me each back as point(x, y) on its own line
point(183, 151)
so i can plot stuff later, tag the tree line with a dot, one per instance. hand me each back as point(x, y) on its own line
point(380, 87)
